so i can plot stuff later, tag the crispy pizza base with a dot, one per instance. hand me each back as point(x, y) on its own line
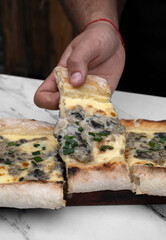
point(104, 172)
point(31, 193)
point(149, 180)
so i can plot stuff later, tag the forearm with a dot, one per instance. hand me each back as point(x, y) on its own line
point(81, 12)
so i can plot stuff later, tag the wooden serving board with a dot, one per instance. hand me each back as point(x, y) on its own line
point(112, 198)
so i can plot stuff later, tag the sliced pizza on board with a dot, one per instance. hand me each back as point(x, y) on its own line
point(91, 139)
point(146, 155)
point(30, 174)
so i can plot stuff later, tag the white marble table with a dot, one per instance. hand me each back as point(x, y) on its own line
point(87, 222)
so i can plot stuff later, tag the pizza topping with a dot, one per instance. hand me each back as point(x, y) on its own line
point(105, 147)
point(77, 138)
point(148, 148)
point(25, 165)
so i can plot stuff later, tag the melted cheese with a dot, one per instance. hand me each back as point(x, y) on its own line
point(47, 147)
point(131, 160)
point(90, 106)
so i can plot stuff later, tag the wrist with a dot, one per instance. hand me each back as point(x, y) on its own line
point(104, 21)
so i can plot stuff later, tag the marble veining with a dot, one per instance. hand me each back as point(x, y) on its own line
point(86, 222)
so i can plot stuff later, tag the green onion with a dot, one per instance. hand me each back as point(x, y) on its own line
point(68, 138)
point(68, 151)
point(43, 148)
point(74, 143)
point(97, 139)
point(22, 169)
point(149, 164)
point(11, 144)
point(10, 152)
point(77, 123)
point(36, 145)
point(152, 144)
point(103, 133)
point(36, 153)
point(38, 159)
point(143, 151)
point(162, 140)
point(80, 129)
point(156, 136)
point(8, 162)
point(157, 147)
point(34, 163)
point(105, 147)
point(91, 133)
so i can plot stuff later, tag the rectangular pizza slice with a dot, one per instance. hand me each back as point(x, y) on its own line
point(30, 174)
point(146, 155)
point(91, 139)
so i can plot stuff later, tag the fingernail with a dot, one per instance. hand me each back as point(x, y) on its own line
point(76, 77)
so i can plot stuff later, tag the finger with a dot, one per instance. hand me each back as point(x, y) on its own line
point(47, 95)
point(77, 64)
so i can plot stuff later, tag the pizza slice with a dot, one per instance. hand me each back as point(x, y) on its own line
point(146, 155)
point(91, 139)
point(30, 174)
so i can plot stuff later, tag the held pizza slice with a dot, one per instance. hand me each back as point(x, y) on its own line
point(146, 155)
point(91, 138)
point(30, 174)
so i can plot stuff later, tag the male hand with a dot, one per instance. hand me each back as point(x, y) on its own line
point(97, 51)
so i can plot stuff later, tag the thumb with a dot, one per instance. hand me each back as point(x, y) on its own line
point(77, 64)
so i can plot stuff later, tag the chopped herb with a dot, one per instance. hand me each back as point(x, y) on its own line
point(104, 133)
point(10, 152)
point(22, 169)
point(8, 162)
point(68, 138)
point(43, 148)
point(80, 129)
point(74, 143)
point(105, 147)
point(152, 144)
point(142, 136)
point(36, 145)
point(149, 164)
point(36, 153)
point(162, 140)
point(38, 159)
point(77, 123)
point(34, 163)
point(97, 139)
point(11, 144)
point(91, 133)
point(157, 147)
point(17, 144)
point(68, 151)
point(156, 136)
point(143, 151)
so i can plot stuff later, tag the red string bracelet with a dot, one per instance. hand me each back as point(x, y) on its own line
point(106, 20)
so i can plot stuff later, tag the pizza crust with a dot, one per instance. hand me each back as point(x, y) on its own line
point(146, 179)
point(95, 87)
point(25, 127)
point(144, 125)
point(149, 180)
point(107, 176)
point(32, 194)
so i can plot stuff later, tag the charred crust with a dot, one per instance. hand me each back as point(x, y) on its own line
point(107, 166)
point(73, 171)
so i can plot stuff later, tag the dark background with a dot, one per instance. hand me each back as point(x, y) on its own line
point(143, 26)
point(34, 34)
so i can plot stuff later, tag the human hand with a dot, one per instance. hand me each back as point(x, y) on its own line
point(97, 51)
